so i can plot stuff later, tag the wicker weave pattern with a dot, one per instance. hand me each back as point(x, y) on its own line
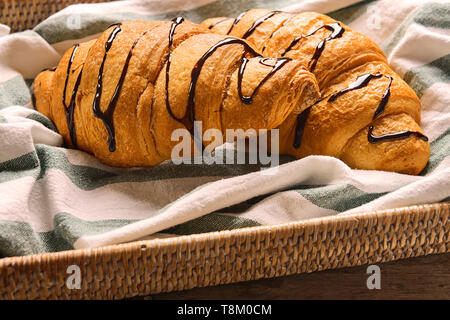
point(149, 267)
point(20, 15)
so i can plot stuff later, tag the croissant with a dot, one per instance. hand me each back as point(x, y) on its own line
point(367, 115)
point(122, 95)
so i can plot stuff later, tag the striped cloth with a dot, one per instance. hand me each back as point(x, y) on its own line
point(53, 198)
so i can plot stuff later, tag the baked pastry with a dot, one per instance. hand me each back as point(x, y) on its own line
point(367, 116)
point(122, 95)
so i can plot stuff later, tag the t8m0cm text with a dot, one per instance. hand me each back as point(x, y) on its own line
point(246, 309)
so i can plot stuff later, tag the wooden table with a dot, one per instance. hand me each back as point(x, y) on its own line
point(425, 277)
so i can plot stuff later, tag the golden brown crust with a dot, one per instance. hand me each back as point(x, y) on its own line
point(64, 91)
point(110, 96)
point(398, 155)
point(339, 127)
point(41, 93)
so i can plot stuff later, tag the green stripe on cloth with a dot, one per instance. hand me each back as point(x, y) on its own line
point(14, 92)
point(42, 119)
point(3, 119)
point(338, 197)
point(243, 206)
point(440, 149)
point(56, 29)
point(435, 15)
point(19, 238)
point(422, 77)
point(37, 164)
point(19, 167)
point(210, 223)
point(70, 228)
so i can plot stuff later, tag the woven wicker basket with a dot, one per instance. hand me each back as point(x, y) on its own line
point(179, 263)
point(149, 267)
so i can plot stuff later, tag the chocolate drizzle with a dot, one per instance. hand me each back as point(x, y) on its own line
point(336, 32)
point(360, 82)
point(394, 136)
point(107, 116)
point(189, 117)
point(384, 99)
point(49, 69)
point(69, 110)
point(300, 127)
point(175, 23)
point(69, 65)
point(212, 25)
point(292, 44)
point(276, 30)
point(279, 63)
point(256, 24)
point(236, 21)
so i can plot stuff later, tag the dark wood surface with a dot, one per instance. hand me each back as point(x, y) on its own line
point(425, 277)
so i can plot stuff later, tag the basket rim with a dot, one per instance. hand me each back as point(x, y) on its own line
point(319, 222)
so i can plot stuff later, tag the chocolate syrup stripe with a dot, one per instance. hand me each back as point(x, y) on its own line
point(300, 127)
point(218, 22)
point(384, 99)
point(69, 110)
point(52, 69)
point(189, 117)
point(336, 32)
point(70, 113)
point(258, 22)
point(276, 30)
point(175, 23)
point(277, 66)
point(69, 65)
point(394, 136)
point(190, 112)
point(255, 25)
point(360, 82)
point(106, 116)
point(236, 21)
